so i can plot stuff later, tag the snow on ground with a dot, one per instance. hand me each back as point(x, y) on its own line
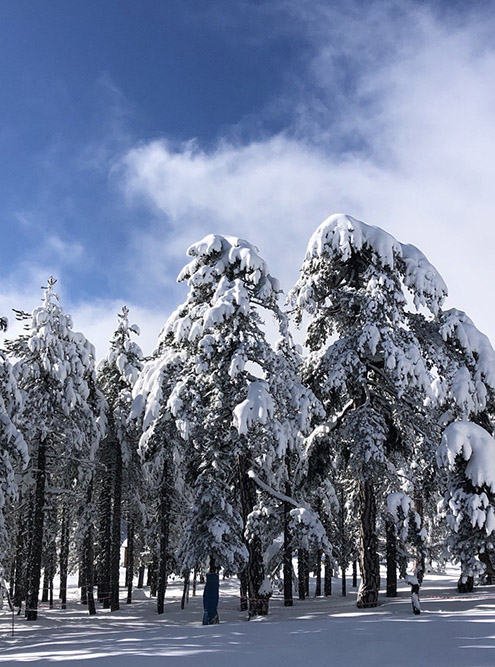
point(452, 631)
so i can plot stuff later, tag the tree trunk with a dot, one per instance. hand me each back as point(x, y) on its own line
point(419, 565)
point(36, 546)
point(130, 559)
point(195, 576)
point(89, 561)
point(368, 547)
point(354, 574)
point(185, 590)
point(288, 598)
point(318, 574)
point(46, 584)
point(301, 573)
point(140, 581)
point(116, 519)
point(152, 575)
point(105, 536)
point(243, 590)
point(344, 582)
point(164, 533)
point(391, 560)
point(327, 584)
point(64, 555)
point(258, 602)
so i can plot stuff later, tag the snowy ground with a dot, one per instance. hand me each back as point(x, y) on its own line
point(452, 631)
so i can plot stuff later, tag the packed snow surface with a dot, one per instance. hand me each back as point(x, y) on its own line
point(453, 631)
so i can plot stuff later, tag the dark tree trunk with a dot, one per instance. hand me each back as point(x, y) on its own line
point(354, 574)
point(64, 555)
point(306, 574)
point(140, 581)
point(195, 576)
point(46, 584)
point(152, 575)
point(301, 573)
point(185, 590)
point(258, 603)
point(391, 560)
point(419, 565)
point(368, 547)
point(164, 533)
point(243, 590)
point(89, 561)
point(288, 584)
point(36, 546)
point(116, 519)
point(105, 535)
point(327, 585)
point(50, 600)
point(318, 574)
point(130, 559)
point(344, 582)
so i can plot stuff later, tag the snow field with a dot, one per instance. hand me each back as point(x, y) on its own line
point(453, 631)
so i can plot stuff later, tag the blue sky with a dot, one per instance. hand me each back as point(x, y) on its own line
point(129, 129)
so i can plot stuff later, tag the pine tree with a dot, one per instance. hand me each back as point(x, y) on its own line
point(120, 473)
point(373, 379)
point(13, 457)
point(55, 371)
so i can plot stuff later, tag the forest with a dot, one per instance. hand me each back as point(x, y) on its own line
point(233, 450)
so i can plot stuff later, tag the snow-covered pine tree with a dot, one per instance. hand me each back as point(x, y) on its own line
point(463, 362)
point(161, 451)
point(467, 453)
point(354, 284)
point(221, 392)
point(119, 477)
point(56, 375)
point(13, 457)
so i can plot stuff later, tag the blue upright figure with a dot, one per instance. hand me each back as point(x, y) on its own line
point(210, 599)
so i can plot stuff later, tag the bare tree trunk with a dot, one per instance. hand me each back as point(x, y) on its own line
point(327, 586)
point(391, 556)
point(288, 584)
point(258, 602)
point(140, 581)
point(195, 576)
point(185, 590)
point(243, 590)
point(164, 533)
point(130, 559)
point(419, 566)
point(344, 582)
point(105, 536)
point(301, 573)
point(116, 519)
point(369, 562)
point(64, 555)
point(36, 546)
point(354, 573)
point(318, 574)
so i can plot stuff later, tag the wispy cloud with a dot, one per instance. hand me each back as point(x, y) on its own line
point(392, 122)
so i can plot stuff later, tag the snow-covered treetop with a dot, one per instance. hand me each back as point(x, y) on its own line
point(476, 446)
point(124, 354)
point(231, 278)
point(56, 372)
point(216, 256)
point(341, 237)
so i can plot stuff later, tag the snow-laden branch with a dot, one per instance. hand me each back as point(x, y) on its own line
point(273, 492)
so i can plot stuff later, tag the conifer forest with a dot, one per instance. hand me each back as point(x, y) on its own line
point(233, 451)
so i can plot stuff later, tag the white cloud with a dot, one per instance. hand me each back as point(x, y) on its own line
point(417, 118)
